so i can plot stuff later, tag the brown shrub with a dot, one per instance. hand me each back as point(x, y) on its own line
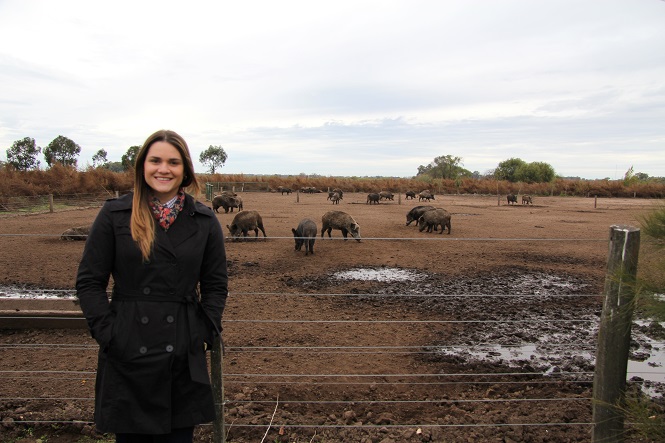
point(63, 180)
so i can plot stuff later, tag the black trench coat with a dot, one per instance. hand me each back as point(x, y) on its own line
point(152, 373)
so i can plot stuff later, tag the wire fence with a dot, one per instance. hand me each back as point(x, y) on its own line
point(37, 204)
point(360, 402)
point(323, 376)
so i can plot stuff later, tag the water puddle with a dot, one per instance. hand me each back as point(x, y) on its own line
point(541, 352)
point(552, 348)
point(379, 274)
point(18, 292)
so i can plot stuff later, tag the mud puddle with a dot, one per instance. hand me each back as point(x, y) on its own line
point(539, 322)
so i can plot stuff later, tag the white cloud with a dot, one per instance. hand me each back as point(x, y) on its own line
point(344, 88)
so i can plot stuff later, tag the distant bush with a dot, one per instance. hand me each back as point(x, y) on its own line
point(61, 180)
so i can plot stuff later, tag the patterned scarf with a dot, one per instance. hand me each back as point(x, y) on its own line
point(166, 213)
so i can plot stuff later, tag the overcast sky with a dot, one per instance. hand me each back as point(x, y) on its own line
point(344, 88)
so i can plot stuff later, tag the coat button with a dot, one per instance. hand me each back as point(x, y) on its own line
point(169, 348)
point(146, 290)
point(170, 319)
point(145, 320)
point(143, 349)
point(171, 292)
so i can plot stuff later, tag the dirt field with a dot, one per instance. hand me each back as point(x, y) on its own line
point(373, 367)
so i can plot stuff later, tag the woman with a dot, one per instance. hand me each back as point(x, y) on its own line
point(165, 253)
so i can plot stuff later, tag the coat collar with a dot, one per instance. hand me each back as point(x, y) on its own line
point(183, 228)
point(124, 203)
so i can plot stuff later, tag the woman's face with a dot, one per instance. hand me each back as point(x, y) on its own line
point(163, 170)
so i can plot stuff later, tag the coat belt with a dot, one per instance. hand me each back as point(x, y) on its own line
point(198, 368)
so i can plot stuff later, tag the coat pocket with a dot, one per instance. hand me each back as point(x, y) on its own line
point(207, 329)
point(120, 332)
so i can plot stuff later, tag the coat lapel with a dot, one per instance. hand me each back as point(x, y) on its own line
point(185, 226)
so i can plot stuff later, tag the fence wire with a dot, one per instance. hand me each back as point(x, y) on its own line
point(255, 357)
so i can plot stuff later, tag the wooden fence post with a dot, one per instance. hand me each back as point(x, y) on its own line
point(614, 335)
point(217, 383)
point(50, 202)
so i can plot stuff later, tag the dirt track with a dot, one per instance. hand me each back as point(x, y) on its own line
point(559, 243)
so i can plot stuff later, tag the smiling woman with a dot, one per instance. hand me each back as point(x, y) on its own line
point(166, 254)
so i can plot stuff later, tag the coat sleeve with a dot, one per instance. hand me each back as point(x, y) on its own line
point(214, 275)
point(93, 277)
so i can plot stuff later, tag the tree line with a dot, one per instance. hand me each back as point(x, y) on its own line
point(514, 170)
point(23, 156)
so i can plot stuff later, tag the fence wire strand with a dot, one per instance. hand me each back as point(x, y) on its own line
point(244, 379)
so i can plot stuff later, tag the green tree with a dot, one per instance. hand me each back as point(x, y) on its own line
point(629, 177)
point(444, 166)
point(129, 158)
point(517, 170)
point(507, 169)
point(641, 176)
point(535, 172)
point(23, 154)
point(214, 157)
point(99, 159)
point(115, 166)
point(61, 150)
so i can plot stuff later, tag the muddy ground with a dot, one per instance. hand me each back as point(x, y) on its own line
point(486, 334)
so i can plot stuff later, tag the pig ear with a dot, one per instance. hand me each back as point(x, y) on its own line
point(294, 231)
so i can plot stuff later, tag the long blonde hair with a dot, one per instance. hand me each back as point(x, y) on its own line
point(142, 223)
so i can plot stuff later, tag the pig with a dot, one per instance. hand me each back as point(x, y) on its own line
point(512, 198)
point(335, 198)
point(415, 213)
point(226, 201)
point(373, 198)
point(284, 189)
point(238, 203)
point(387, 195)
point(425, 195)
point(305, 234)
point(342, 221)
point(410, 195)
point(526, 199)
point(433, 218)
point(244, 222)
point(335, 191)
point(76, 233)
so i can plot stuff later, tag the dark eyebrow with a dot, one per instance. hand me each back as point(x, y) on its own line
point(150, 157)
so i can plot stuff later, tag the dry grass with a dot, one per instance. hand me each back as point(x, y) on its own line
point(60, 180)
